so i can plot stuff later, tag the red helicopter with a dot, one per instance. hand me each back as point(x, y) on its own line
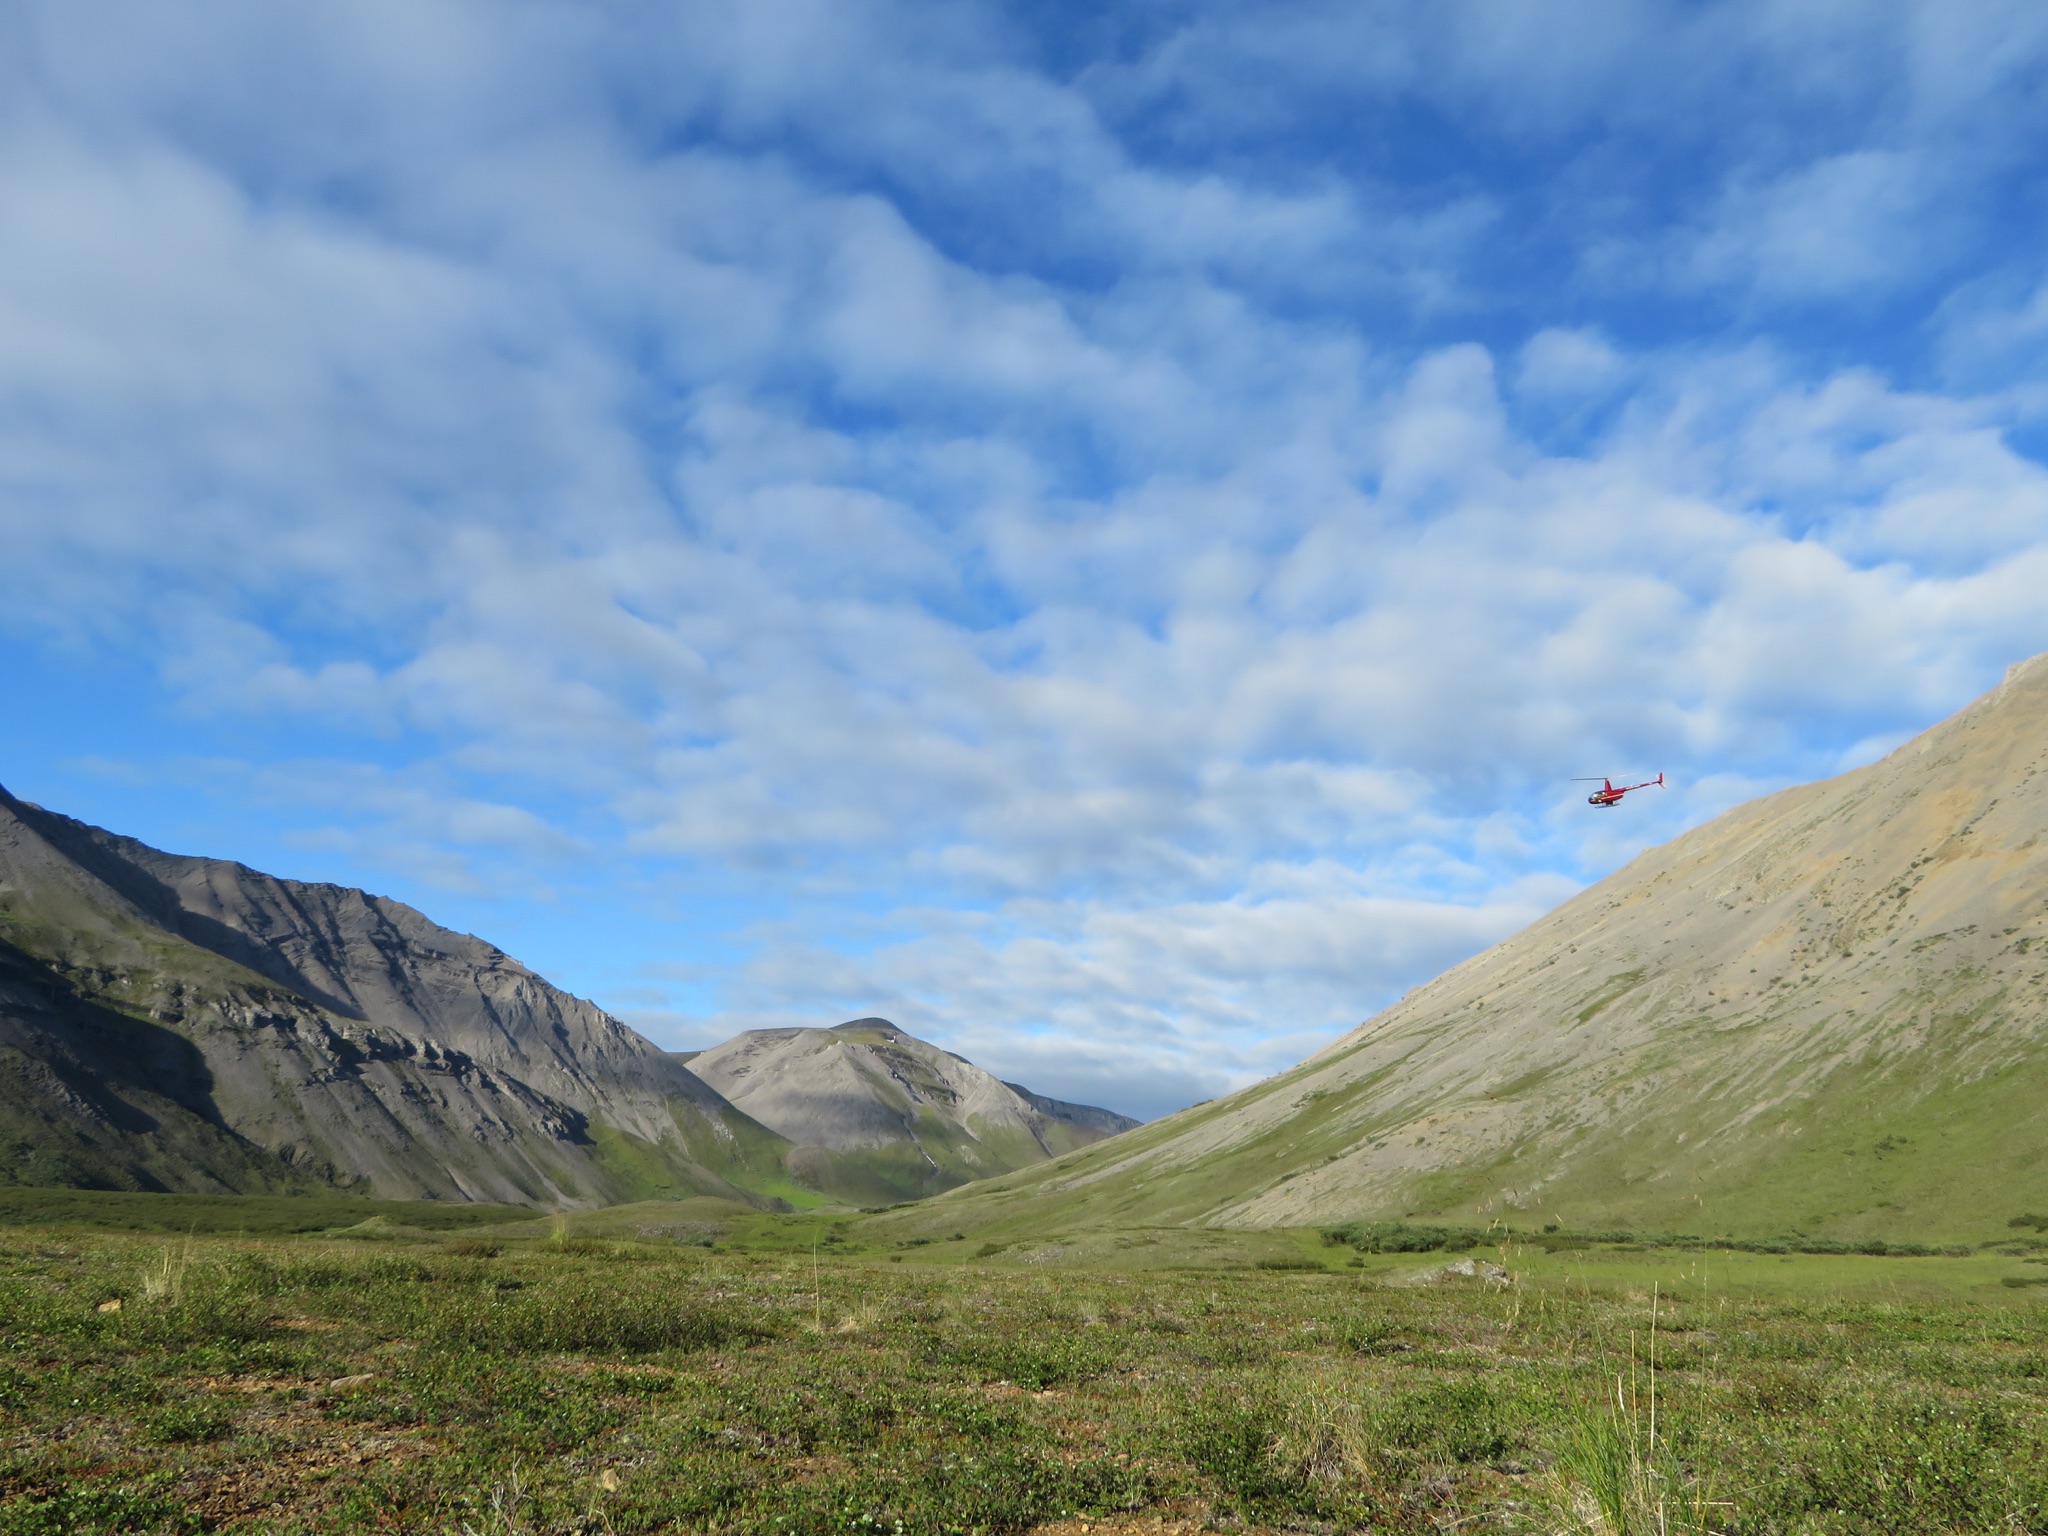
point(1609, 793)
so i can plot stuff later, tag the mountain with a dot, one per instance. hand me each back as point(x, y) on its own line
point(879, 1115)
point(1099, 1124)
point(1822, 1012)
point(190, 1024)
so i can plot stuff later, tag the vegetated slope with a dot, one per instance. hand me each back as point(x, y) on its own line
point(1823, 1012)
point(190, 1024)
point(881, 1115)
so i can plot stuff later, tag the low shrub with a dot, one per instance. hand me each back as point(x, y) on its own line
point(188, 1423)
point(1453, 1422)
point(1235, 1444)
point(91, 1510)
point(1400, 1237)
point(1050, 1355)
point(1869, 1465)
point(568, 1319)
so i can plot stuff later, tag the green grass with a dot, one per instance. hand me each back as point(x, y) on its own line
point(609, 1372)
point(257, 1215)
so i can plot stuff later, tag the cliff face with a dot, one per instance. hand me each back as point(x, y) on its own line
point(1826, 1010)
point(877, 1114)
point(190, 1023)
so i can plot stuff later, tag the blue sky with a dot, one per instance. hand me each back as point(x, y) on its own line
point(1100, 533)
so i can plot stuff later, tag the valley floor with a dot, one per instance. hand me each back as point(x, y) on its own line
point(686, 1368)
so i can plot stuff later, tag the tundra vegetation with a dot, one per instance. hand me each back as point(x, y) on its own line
point(698, 1367)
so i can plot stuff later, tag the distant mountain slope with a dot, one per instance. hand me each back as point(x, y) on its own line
point(878, 1114)
point(1100, 1123)
point(191, 1024)
point(1827, 1010)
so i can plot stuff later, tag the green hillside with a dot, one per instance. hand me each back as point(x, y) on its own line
point(255, 1215)
point(1823, 1012)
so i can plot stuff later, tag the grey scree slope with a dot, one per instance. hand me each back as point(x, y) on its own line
point(875, 1110)
point(1822, 1011)
point(191, 1023)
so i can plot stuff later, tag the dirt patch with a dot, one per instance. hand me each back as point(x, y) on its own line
point(288, 1475)
point(303, 1450)
point(254, 1386)
point(1163, 1523)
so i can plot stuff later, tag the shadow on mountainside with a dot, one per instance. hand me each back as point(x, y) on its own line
point(94, 1098)
point(94, 851)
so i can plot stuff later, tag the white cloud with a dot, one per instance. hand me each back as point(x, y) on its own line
point(1843, 225)
point(840, 456)
point(1568, 363)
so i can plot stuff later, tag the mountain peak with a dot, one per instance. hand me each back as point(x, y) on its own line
point(2020, 669)
point(878, 1114)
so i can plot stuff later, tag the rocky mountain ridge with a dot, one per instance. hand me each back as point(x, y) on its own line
point(193, 1024)
point(315, 1035)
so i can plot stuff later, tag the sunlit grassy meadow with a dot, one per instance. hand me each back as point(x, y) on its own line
point(692, 1368)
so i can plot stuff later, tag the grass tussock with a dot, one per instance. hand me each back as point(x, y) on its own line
point(1613, 1475)
point(163, 1276)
